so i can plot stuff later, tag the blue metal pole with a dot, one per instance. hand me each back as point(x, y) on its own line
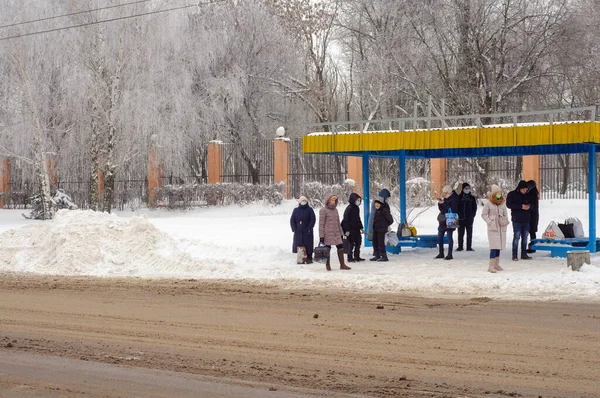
point(402, 180)
point(592, 196)
point(366, 195)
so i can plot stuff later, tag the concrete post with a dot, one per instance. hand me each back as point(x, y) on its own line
point(215, 162)
point(154, 175)
point(281, 166)
point(355, 172)
point(4, 181)
point(439, 175)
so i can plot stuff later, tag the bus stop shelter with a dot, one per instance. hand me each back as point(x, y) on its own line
point(513, 139)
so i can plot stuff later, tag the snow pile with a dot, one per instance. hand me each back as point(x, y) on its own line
point(92, 243)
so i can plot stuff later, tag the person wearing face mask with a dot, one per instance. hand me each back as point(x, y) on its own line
point(534, 198)
point(495, 215)
point(467, 209)
point(352, 226)
point(330, 230)
point(448, 201)
point(303, 222)
point(382, 219)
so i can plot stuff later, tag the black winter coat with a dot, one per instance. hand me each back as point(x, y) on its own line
point(303, 222)
point(382, 219)
point(467, 208)
point(351, 220)
point(451, 202)
point(515, 201)
point(533, 198)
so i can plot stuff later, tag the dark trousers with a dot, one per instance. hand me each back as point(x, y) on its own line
point(379, 243)
point(521, 232)
point(355, 240)
point(468, 227)
point(441, 232)
point(494, 253)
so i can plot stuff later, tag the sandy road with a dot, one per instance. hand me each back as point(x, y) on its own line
point(260, 338)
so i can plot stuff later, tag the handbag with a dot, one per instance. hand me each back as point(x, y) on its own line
point(441, 217)
point(321, 254)
point(451, 220)
point(567, 230)
point(347, 245)
point(301, 256)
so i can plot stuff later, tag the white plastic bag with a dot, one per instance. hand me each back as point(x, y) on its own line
point(392, 239)
point(577, 226)
point(553, 232)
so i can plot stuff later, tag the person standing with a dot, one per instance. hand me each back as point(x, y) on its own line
point(352, 226)
point(330, 230)
point(495, 215)
point(303, 222)
point(385, 195)
point(518, 203)
point(534, 198)
point(381, 222)
point(467, 209)
point(448, 201)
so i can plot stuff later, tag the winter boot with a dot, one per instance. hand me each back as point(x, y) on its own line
point(449, 256)
point(441, 255)
point(459, 249)
point(357, 255)
point(497, 264)
point(375, 256)
point(529, 249)
point(309, 260)
point(383, 258)
point(351, 259)
point(341, 258)
point(492, 267)
point(328, 264)
point(525, 257)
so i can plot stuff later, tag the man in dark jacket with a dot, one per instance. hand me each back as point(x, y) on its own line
point(467, 209)
point(352, 226)
point(448, 201)
point(518, 202)
point(533, 195)
point(381, 222)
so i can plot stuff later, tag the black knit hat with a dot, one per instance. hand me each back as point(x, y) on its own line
point(531, 184)
point(466, 184)
point(522, 184)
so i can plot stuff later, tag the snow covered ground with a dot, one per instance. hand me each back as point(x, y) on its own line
point(254, 243)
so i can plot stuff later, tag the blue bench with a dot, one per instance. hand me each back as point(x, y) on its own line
point(560, 247)
point(425, 241)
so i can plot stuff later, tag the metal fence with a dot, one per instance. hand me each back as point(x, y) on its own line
point(249, 161)
point(305, 168)
point(564, 176)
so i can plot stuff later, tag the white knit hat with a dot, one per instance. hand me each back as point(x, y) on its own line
point(447, 189)
point(301, 198)
point(496, 189)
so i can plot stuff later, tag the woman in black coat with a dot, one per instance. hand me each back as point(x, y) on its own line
point(533, 196)
point(448, 201)
point(303, 222)
point(352, 226)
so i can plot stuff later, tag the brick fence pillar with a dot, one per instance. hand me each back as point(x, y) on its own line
point(154, 174)
point(439, 175)
point(4, 181)
point(215, 162)
point(532, 169)
point(281, 164)
point(52, 167)
point(355, 172)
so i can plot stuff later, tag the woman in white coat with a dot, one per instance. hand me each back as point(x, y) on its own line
point(495, 216)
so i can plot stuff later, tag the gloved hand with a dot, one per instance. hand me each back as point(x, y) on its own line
point(347, 233)
point(362, 231)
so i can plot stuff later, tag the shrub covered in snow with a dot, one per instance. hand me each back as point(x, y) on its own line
point(59, 200)
point(191, 195)
point(317, 192)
